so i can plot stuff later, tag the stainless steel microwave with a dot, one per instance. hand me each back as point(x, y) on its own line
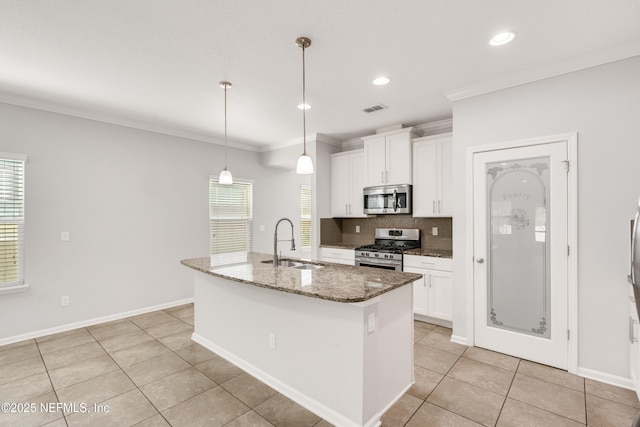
point(387, 199)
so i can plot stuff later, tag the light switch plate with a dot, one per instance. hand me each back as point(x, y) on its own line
point(64, 236)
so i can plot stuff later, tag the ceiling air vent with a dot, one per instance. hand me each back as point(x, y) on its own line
point(375, 108)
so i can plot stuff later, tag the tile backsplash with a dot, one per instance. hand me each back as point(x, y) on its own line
point(343, 230)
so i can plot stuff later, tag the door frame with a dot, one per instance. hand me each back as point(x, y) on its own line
point(571, 139)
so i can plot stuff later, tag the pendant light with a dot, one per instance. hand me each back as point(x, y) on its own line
point(225, 174)
point(305, 164)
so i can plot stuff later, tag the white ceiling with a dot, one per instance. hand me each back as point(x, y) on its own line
point(156, 64)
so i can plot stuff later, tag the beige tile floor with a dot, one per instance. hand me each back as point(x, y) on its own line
point(145, 371)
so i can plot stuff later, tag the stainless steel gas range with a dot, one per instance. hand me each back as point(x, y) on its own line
point(388, 249)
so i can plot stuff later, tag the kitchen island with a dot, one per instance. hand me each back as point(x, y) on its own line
point(338, 340)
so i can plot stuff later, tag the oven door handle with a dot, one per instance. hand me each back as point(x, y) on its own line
point(395, 200)
point(378, 261)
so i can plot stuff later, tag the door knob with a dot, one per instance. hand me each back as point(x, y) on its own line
point(480, 260)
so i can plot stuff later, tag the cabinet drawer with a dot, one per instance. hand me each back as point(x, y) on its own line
point(428, 262)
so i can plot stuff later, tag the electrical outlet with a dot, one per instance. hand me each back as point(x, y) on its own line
point(64, 301)
point(357, 228)
point(272, 341)
point(434, 231)
point(64, 236)
point(262, 227)
point(371, 323)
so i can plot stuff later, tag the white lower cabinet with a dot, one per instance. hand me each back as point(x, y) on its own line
point(634, 344)
point(433, 293)
point(339, 256)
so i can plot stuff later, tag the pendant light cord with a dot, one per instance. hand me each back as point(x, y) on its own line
point(304, 106)
point(225, 126)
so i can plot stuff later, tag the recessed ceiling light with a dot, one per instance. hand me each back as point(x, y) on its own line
point(304, 106)
point(502, 38)
point(381, 81)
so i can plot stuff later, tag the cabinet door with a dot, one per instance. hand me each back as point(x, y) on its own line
point(375, 159)
point(445, 162)
point(420, 292)
point(440, 294)
point(357, 183)
point(398, 153)
point(340, 175)
point(425, 173)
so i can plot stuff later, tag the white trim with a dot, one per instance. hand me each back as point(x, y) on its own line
point(316, 137)
point(90, 322)
point(13, 156)
point(5, 290)
point(435, 128)
point(542, 73)
point(113, 119)
point(304, 400)
point(572, 235)
point(606, 378)
point(459, 340)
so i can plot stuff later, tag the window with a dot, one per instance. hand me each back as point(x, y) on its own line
point(305, 216)
point(11, 220)
point(231, 217)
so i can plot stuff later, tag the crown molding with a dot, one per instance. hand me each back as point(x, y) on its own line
point(541, 73)
point(112, 119)
point(317, 137)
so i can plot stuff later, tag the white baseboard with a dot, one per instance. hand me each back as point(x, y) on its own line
point(89, 322)
point(606, 378)
point(459, 340)
point(433, 320)
point(302, 399)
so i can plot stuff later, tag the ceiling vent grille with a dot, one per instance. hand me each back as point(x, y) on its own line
point(375, 108)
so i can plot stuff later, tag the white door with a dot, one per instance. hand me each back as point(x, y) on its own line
point(520, 214)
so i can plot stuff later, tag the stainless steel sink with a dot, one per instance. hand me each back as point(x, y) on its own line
point(294, 264)
point(283, 262)
point(307, 266)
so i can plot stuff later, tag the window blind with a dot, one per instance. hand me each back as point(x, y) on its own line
point(305, 216)
point(231, 217)
point(11, 221)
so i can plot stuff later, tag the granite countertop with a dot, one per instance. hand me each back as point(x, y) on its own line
point(341, 245)
point(438, 253)
point(334, 282)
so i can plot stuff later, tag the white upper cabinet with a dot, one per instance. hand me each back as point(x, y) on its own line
point(388, 158)
point(432, 177)
point(347, 182)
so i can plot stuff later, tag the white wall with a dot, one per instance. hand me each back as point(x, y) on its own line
point(603, 105)
point(135, 204)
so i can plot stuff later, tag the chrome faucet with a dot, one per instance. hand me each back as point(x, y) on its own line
point(275, 240)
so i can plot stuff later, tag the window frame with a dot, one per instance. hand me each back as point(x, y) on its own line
point(218, 257)
point(19, 284)
point(305, 190)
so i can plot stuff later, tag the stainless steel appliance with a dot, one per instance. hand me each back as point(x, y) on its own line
point(388, 199)
point(388, 249)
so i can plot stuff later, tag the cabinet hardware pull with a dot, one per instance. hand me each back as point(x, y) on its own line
point(434, 207)
point(346, 209)
point(480, 260)
point(439, 210)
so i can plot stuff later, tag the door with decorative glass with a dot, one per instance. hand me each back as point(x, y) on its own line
point(520, 247)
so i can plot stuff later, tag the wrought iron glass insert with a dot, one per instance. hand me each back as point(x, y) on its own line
point(518, 253)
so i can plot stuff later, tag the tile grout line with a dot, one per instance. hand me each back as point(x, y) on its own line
point(130, 379)
point(55, 392)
